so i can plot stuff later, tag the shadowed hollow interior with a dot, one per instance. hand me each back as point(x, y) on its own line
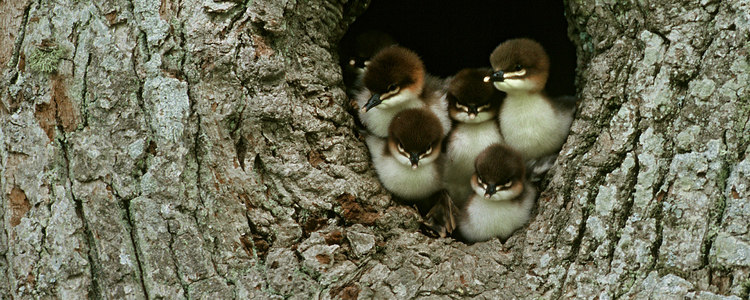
point(452, 35)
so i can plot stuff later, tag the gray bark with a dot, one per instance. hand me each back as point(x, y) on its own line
point(201, 150)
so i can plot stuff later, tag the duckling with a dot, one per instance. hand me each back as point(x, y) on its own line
point(530, 121)
point(396, 80)
point(409, 161)
point(502, 199)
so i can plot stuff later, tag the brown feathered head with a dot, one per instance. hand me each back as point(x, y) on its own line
point(392, 72)
point(414, 136)
point(500, 173)
point(470, 96)
point(523, 59)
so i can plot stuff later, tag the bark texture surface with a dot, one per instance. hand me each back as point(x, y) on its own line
point(202, 150)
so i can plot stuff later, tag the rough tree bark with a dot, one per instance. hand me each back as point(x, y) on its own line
point(201, 150)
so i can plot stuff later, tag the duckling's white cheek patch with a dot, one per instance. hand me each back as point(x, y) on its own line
point(505, 195)
point(402, 159)
point(399, 98)
point(427, 159)
point(390, 94)
point(516, 85)
point(511, 75)
point(500, 85)
point(479, 118)
point(479, 190)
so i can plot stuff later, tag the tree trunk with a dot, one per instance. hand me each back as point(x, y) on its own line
point(202, 150)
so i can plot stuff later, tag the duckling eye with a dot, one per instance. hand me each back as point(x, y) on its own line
point(507, 184)
point(428, 151)
point(392, 87)
point(518, 68)
point(481, 183)
point(483, 107)
point(461, 107)
point(401, 147)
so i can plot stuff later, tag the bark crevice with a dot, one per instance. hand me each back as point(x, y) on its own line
point(656, 214)
point(84, 90)
point(716, 212)
point(91, 251)
point(622, 218)
point(13, 63)
point(126, 211)
point(175, 263)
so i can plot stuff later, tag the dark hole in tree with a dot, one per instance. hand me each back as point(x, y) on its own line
point(453, 35)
